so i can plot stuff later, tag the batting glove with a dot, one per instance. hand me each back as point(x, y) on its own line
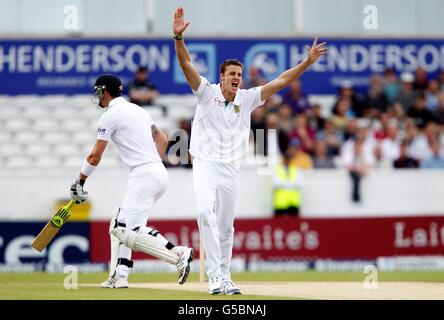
point(77, 192)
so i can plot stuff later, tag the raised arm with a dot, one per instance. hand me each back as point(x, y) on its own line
point(288, 76)
point(183, 56)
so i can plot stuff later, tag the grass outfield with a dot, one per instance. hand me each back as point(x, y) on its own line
point(32, 286)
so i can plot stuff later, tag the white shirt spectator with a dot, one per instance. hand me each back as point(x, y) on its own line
point(390, 150)
point(348, 155)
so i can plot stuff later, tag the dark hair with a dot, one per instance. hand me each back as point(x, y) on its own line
point(230, 62)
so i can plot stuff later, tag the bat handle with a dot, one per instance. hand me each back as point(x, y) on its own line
point(69, 205)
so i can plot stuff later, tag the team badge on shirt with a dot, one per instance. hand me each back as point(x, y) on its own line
point(236, 108)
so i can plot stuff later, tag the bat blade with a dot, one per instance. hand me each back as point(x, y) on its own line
point(45, 236)
point(51, 229)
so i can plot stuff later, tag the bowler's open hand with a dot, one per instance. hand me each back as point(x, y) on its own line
point(316, 50)
point(179, 23)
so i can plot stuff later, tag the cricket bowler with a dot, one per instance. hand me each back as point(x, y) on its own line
point(219, 137)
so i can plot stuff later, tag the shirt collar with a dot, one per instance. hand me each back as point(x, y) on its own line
point(116, 101)
point(236, 100)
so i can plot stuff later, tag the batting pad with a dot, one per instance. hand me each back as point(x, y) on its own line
point(114, 253)
point(148, 244)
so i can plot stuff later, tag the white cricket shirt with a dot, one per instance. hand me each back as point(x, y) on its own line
point(129, 128)
point(220, 132)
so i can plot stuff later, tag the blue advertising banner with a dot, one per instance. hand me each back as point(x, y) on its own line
point(71, 244)
point(71, 66)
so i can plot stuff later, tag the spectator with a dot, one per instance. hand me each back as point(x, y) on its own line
point(315, 119)
point(390, 146)
point(142, 90)
point(351, 129)
point(287, 183)
point(396, 111)
point(407, 95)
point(410, 130)
point(375, 101)
point(420, 148)
point(286, 118)
point(383, 124)
point(321, 158)
point(358, 162)
point(356, 106)
point(436, 159)
point(254, 80)
point(431, 95)
point(441, 80)
point(300, 159)
point(404, 161)
point(332, 138)
point(439, 112)
point(295, 98)
point(421, 82)
point(391, 85)
point(342, 114)
point(419, 113)
point(303, 133)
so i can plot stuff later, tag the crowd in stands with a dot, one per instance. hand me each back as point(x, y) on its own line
point(397, 123)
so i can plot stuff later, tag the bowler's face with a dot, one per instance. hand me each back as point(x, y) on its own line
point(231, 78)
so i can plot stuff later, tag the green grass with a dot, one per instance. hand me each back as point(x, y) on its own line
point(32, 286)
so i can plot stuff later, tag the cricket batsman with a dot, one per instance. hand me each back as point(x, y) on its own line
point(219, 137)
point(140, 144)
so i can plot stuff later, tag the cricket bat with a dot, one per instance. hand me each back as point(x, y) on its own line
point(52, 227)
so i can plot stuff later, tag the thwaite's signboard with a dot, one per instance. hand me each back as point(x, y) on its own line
point(292, 238)
point(267, 239)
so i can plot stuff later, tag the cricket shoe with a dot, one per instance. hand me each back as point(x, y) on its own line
point(215, 285)
point(186, 255)
point(230, 288)
point(109, 283)
point(115, 281)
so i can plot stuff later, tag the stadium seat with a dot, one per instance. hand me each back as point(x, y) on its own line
point(45, 124)
point(66, 149)
point(37, 149)
point(5, 136)
point(10, 149)
point(47, 161)
point(16, 124)
point(19, 162)
point(27, 137)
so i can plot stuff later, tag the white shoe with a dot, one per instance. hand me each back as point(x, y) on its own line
point(115, 281)
point(121, 283)
point(215, 285)
point(109, 283)
point(183, 266)
point(230, 288)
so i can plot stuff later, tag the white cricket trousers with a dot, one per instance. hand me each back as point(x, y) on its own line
point(215, 189)
point(146, 184)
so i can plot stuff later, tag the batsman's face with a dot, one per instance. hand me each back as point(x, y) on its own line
point(231, 79)
point(98, 96)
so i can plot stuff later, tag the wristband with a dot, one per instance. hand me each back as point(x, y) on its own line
point(177, 37)
point(87, 169)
